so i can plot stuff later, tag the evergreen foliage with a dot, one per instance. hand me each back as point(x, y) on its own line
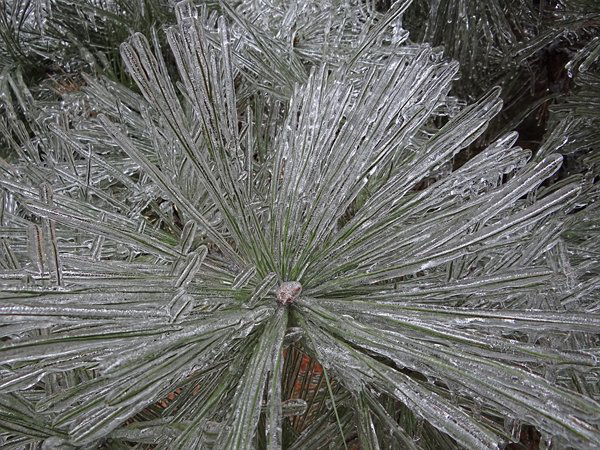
point(252, 224)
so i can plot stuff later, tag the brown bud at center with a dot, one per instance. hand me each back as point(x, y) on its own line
point(288, 292)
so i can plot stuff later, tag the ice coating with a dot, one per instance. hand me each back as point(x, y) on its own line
point(151, 264)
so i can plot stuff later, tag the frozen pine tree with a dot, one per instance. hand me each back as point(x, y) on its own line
point(260, 240)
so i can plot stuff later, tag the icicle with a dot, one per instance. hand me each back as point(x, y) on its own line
point(512, 427)
point(244, 277)
point(293, 335)
point(187, 236)
point(294, 407)
point(50, 240)
point(261, 290)
point(190, 267)
point(180, 305)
